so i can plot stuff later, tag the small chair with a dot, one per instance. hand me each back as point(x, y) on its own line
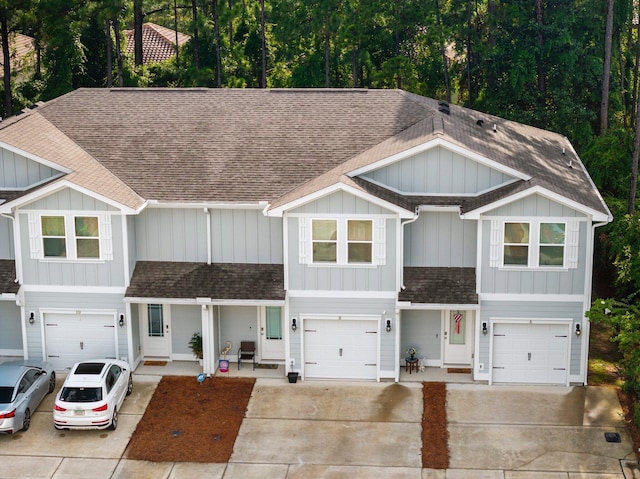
point(247, 350)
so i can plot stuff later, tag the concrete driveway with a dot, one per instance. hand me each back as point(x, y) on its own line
point(357, 430)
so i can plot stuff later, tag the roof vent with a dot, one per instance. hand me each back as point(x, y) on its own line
point(495, 127)
point(480, 122)
point(443, 107)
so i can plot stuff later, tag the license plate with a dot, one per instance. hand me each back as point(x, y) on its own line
point(79, 412)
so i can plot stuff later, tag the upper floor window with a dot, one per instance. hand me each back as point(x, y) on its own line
point(537, 244)
point(343, 241)
point(80, 241)
point(70, 237)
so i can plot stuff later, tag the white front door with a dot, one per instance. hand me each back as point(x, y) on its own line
point(341, 349)
point(458, 337)
point(156, 331)
point(271, 334)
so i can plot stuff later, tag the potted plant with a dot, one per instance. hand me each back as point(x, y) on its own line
point(195, 343)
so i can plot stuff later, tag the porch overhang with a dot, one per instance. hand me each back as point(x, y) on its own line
point(439, 287)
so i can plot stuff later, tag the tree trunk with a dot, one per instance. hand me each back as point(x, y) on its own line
point(216, 31)
point(116, 30)
point(327, 52)
point(175, 27)
point(230, 24)
point(6, 59)
point(109, 55)
point(606, 70)
point(396, 41)
point(443, 51)
point(196, 43)
point(469, 54)
point(263, 75)
point(542, 86)
point(138, 18)
point(631, 207)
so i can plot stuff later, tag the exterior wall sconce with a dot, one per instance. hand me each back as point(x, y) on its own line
point(388, 327)
point(294, 326)
point(484, 329)
point(578, 330)
point(32, 317)
point(121, 320)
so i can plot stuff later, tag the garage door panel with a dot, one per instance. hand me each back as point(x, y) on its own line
point(70, 338)
point(530, 353)
point(341, 349)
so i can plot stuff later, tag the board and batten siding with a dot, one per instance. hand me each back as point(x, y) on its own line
point(237, 323)
point(89, 273)
point(95, 302)
point(299, 307)
point(541, 310)
point(185, 320)
point(438, 171)
point(535, 205)
point(341, 277)
point(69, 200)
point(17, 171)
point(11, 337)
point(7, 249)
point(440, 239)
point(421, 329)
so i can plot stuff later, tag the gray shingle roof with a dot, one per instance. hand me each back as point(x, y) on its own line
point(218, 281)
point(8, 276)
point(439, 285)
point(248, 146)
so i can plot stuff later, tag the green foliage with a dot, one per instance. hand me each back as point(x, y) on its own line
point(195, 344)
point(607, 160)
point(624, 319)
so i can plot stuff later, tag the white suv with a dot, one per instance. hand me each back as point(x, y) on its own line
point(92, 394)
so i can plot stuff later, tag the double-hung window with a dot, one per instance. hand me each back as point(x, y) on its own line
point(536, 244)
point(70, 237)
point(344, 241)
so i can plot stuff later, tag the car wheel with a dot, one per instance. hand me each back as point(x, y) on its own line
point(26, 420)
point(130, 386)
point(52, 382)
point(114, 420)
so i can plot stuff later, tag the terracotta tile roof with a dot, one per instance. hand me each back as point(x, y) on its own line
point(439, 285)
point(218, 281)
point(250, 146)
point(158, 43)
point(21, 52)
point(8, 276)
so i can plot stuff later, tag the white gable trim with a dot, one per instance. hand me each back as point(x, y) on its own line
point(538, 190)
point(33, 157)
point(61, 185)
point(449, 146)
point(337, 187)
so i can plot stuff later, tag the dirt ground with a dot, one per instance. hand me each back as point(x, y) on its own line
point(186, 421)
point(205, 425)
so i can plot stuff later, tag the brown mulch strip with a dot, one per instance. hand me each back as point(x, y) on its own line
point(435, 434)
point(186, 421)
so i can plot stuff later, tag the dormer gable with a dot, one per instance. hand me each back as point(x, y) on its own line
point(21, 172)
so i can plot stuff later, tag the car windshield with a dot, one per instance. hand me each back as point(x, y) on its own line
point(81, 394)
point(6, 393)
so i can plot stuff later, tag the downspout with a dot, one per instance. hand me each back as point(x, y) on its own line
point(588, 298)
point(208, 213)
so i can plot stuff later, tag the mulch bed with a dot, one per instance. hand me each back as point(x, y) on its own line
point(201, 429)
point(628, 401)
point(435, 434)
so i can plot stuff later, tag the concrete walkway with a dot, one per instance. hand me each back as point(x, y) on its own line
point(357, 430)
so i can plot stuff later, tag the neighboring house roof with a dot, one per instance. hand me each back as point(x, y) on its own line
point(21, 48)
point(218, 281)
point(277, 146)
point(439, 286)
point(158, 43)
point(8, 277)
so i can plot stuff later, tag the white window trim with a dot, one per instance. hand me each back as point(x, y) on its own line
point(378, 237)
point(570, 245)
point(36, 238)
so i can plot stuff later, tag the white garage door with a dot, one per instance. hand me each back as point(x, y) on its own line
point(341, 349)
point(76, 337)
point(530, 353)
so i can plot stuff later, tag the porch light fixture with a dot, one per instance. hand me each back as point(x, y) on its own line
point(294, 326)
point(578, 330)
point(121, 320)
point(388, 326)
point(484, 328)
point(32, 317)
